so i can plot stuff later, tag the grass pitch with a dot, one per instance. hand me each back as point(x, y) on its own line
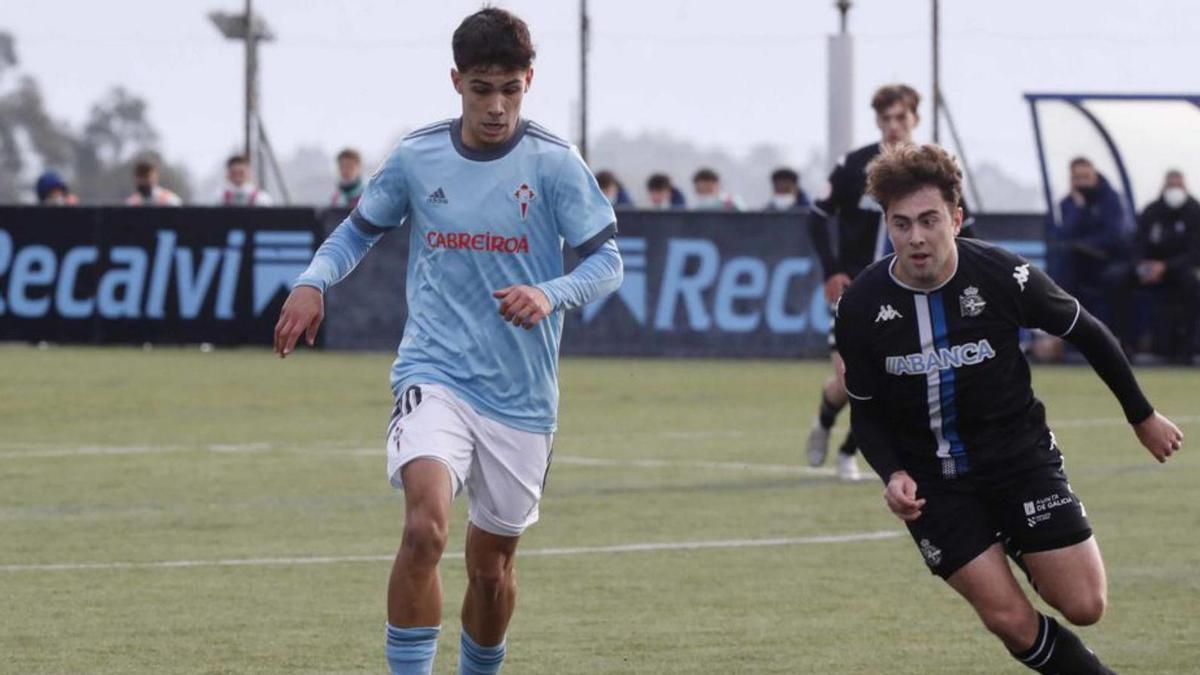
point(173, 511)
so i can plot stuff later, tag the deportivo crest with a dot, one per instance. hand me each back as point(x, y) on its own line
point(524, 195)
point(932, 554)
point(970, 302)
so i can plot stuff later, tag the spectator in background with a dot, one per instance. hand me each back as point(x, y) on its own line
point(709, 196)
point(1090, 239)
point(52, 190)
point(786, 193)
point(614, 190)
point(350, 180)
point(1167, 259)
point(239, 190)
point(147, 191)
point(663, 195)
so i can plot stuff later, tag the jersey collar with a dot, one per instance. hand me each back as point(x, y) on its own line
point(489, 154)
point(892, 273)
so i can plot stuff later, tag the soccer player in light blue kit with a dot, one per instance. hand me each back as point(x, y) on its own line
point(489, 199)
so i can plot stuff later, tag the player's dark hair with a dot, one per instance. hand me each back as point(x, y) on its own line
point(351, 154)
point(706, 174)
point(606, 179)
point(784, 174)
point(236, 159)
point(1082, 161)
point(657, 182)
point(492, 37)
point(904, 169)
point(1174, 173)
point(890, 94)
point(144, 168)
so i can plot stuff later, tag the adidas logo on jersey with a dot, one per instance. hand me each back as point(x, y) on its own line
point(438, 196)
point(887, 313)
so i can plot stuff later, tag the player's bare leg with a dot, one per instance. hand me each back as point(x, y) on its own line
point(988, 584)
point(833, 400)
point(491, 585)
point(415, 587)
point(1072, 580)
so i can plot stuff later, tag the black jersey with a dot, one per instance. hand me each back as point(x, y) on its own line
point(946, 363)
point(862, 237)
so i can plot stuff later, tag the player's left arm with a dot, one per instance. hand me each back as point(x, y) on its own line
point(585, 219)
point(1046, 306)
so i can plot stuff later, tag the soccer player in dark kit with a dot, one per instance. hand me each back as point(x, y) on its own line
point(942, 408)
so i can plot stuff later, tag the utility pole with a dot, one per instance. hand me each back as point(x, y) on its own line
point(251, 86)
point(583, 78)
point(937, 75)
point(840, 53)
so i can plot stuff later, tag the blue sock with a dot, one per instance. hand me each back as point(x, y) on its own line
point(476, 660)
point(410, 651)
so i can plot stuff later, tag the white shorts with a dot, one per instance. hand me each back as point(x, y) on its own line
point(504, 469)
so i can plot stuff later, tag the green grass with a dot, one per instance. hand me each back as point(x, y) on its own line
point(120, 455)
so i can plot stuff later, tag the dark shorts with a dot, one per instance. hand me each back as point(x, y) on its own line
point(1028, 511)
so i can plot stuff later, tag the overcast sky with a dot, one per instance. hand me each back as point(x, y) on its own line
point(728, 74)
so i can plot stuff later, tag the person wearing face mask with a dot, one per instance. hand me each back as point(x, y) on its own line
point(786, 193)
point(1091, 239)
point(1166, 260)
point(52, 190)
point(147, 191)
point(350, 180)
point(710, 196)
point(664, 196)
point(614, 190)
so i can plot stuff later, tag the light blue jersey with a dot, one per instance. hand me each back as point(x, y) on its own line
point(480, 221)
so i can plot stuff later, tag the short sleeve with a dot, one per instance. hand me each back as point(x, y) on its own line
point(862, 374)
point(582, 212)
point(384, 202)
point(1040, 301)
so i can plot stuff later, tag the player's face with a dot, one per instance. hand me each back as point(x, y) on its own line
point(491, 103)
point(923, 227)
point(896, 123)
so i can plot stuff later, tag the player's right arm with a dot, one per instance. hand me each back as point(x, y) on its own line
point(383, 207)
point(819, 214)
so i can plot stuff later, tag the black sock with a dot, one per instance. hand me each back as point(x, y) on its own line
point(1058, 651)
point(829, 412)
point(849, 446)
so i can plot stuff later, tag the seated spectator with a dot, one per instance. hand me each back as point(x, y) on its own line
point(786, 193)
point(239, 190)
point(52, 190)
point(709, 196)
point(350, 180)
point(663, 195)
point(1090, 240)
point(612, 188)
point(147, 191)
point(1167, 260)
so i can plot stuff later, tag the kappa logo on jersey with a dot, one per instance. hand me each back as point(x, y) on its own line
point(1021, 274)
point(438, 196)
point(970, 302)
point(945, 358)
point(887, 313)
point(932, 554)
point(524, 195)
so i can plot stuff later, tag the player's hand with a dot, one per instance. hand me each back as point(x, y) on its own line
point(523, 306)
point(834, 286)
point(302, 313)
point(1078, 198)
point(901, 496)
point(1160, 436)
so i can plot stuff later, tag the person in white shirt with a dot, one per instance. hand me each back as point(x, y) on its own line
point(147, 191)
point(239, 190)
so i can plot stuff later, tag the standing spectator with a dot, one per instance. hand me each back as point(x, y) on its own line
point(1167, 260)
point(663, 195)
point(1090, 237)
point(786, 193)
point(709, 196)
point(239, 190)
point(147, 191)
point(52, 190)
point(350, 180)
point(614, 190)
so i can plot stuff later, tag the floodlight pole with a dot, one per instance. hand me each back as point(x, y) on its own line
point(583, 78)
point(937, 87)
point(251, 77)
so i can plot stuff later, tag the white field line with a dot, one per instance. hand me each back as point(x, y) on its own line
point(649, 547)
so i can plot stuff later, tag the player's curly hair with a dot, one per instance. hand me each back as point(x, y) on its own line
point(492, 37)
point(903, 169)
